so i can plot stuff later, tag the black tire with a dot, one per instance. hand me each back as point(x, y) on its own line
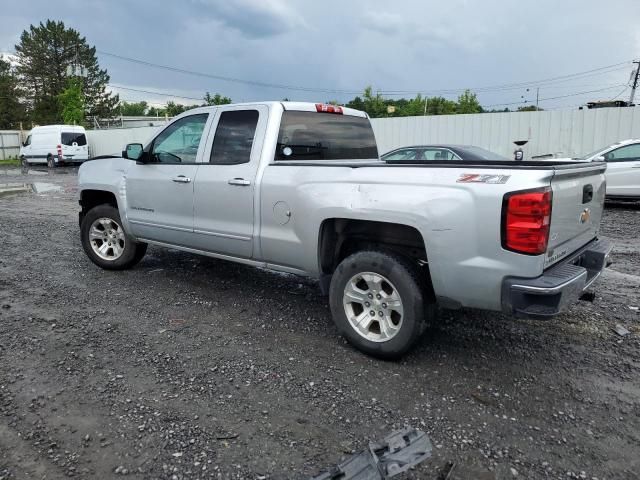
point(133, 251)
point(50, 162)
point(418, 308)
point(24, 164)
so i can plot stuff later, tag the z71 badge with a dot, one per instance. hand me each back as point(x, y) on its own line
point(480, 178)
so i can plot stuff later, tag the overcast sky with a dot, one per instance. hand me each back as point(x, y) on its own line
point(400, 46)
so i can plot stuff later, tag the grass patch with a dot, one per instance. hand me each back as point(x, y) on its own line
point(10, 162)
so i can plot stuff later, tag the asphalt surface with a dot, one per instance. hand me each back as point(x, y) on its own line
point(187, 367)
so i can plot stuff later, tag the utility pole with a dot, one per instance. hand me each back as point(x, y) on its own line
point(537, 98)
point(635, 83)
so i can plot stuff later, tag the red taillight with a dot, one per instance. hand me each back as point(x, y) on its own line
point(324, 108)
point(60, 152)
point(526, 217)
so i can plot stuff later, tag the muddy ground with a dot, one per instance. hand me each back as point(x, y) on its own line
point(188, 367)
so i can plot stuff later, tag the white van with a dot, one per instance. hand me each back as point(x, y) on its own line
point(55, 145)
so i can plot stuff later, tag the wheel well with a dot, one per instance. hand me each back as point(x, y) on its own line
point(341, 237)
point(93, 198)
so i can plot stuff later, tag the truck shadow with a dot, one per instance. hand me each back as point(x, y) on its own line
point(464, 336)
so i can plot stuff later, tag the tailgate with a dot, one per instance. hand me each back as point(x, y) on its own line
point(578, 202)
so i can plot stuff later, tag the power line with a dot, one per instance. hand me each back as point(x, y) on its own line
point(556, 97)
point(548, 83)
point(229, 79)
point(509, 86)
point(621, 92)
point(120, 87)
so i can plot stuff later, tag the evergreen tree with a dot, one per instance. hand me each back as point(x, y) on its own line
point(12, 111)
point(44, 54)
point(72, 104)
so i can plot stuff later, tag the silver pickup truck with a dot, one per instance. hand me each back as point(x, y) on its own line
point(299, 188)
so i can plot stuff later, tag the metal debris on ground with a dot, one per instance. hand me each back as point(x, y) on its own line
point(395, 454)
point(455, 471)
point(620, 330)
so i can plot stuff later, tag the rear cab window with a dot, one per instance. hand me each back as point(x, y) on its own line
point(234, 137)
point(71, 138)
point(308, 135)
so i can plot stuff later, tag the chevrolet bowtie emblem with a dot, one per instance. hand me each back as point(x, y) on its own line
point(585, 215)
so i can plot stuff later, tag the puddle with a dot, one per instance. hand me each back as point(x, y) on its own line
point(35, 187)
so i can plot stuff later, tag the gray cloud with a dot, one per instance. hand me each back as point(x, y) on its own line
point(407, 45)
point(253, 18)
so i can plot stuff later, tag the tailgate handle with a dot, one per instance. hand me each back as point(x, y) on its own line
point(587, 193)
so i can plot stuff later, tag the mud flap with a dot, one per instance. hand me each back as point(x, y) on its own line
point(395, 454)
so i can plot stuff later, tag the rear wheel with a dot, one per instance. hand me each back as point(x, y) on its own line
point(106, 243)
point(378, 303)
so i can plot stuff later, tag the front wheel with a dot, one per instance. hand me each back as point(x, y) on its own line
point(106, 243)
point(378, 302)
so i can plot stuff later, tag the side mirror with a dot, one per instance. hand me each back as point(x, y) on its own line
point(133, 151)
point(599, 158)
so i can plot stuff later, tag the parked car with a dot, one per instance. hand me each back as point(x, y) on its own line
point(437, 153)
point(299, 188)
point(55, 145)
point(623, 168)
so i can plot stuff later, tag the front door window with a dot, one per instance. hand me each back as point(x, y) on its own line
point(179, 142)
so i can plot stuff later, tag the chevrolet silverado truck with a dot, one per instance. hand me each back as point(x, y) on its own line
point(300, 188)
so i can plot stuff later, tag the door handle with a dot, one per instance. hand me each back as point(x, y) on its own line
point(181, 179)
point(239, 181)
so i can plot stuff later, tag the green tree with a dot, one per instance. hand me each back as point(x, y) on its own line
point(72, 103)
point(174, 109)
point(216, 99)
point(414, 107)
point(133, 109)
point(529, 108)
point(12, 111)
point(156, 112)
point(356, 103)
point(44, 54)
point(468, 103)
point(441, 106)
point(374, 105)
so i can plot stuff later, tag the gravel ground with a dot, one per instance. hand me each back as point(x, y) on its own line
point(188, 367)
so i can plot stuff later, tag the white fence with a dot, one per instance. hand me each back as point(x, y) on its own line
point(10, 141)
point(561, 133)
point(112, 141)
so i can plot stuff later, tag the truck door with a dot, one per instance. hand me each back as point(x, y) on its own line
point(159, 193)
point(224, 203)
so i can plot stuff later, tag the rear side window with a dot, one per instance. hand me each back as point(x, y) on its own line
point(234, 137)
point(325, 136)
point(69, 138)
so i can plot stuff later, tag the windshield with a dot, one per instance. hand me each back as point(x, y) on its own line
point(594, 153)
